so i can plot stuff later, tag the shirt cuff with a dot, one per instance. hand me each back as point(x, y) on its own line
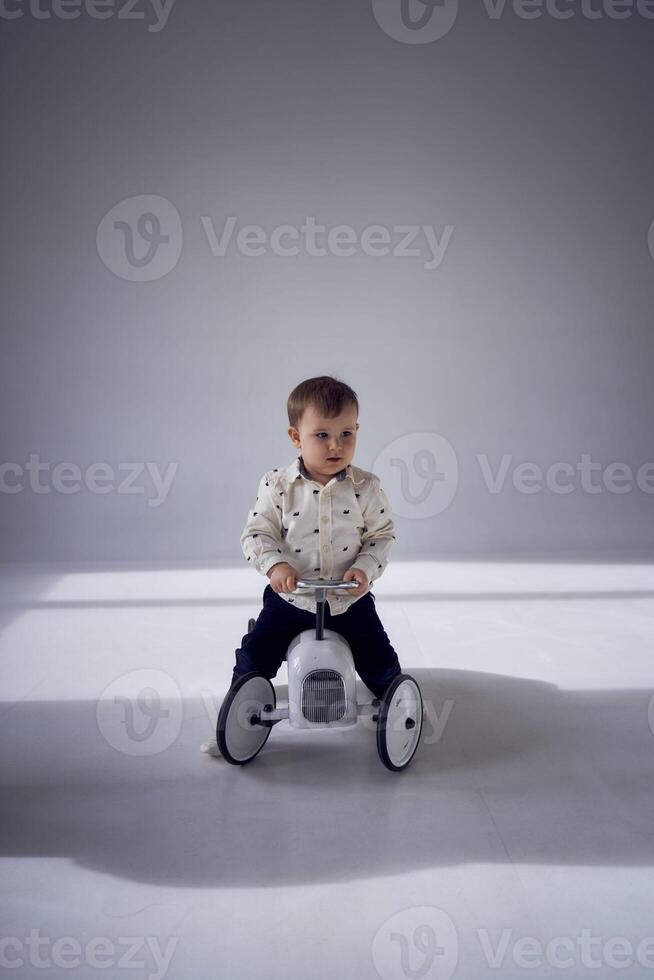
point(367, 564)
point(266, 563)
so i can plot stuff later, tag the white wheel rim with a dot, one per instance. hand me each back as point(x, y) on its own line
point(405, 706)
point(243, 739)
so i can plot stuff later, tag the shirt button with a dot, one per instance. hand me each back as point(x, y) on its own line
point(325, 547)
point(325, 517)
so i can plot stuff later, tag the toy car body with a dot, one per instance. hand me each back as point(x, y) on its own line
point(321, 694)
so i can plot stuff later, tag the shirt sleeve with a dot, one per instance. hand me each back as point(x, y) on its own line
point(377, 536)
point(261, 539)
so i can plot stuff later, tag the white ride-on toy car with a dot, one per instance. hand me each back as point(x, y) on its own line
point(321, 694)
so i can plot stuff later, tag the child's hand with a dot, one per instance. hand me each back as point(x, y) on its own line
point(283, 577)
point(355, 574)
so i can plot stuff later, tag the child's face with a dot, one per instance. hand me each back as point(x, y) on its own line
point(327, 445)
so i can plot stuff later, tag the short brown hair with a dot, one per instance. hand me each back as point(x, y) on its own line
point(327, 395)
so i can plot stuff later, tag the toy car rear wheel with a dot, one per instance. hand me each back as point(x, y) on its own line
point(239, 733)
point(399, 723)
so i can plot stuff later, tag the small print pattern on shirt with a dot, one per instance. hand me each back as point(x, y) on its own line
point(321, 531)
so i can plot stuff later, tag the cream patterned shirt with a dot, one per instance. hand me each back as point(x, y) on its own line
point(320, 530)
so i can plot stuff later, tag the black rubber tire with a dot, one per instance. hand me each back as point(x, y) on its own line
point(382, 719)
point(223, 714)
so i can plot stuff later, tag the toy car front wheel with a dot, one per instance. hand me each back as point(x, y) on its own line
point(239, 732)
point(399, 722)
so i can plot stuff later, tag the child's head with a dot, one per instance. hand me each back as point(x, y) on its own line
point(322, 415)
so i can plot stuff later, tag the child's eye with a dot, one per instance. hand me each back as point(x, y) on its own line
point(321, 434)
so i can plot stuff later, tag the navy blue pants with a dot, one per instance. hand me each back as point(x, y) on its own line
point(279, 622)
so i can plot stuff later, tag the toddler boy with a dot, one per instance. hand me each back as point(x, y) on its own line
point(320, 517)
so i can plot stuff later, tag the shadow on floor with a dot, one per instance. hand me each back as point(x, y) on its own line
point(522, 771)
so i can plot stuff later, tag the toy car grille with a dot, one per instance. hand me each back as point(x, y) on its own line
point(323, 696)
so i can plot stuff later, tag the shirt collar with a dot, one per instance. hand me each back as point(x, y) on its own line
point(298, 469)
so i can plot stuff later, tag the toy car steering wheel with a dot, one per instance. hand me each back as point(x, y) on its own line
point(320, 587)
point(333, 584)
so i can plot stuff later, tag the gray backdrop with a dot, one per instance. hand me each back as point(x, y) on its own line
point(521, 139)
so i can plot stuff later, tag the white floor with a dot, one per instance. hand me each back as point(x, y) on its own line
point(525, 819)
